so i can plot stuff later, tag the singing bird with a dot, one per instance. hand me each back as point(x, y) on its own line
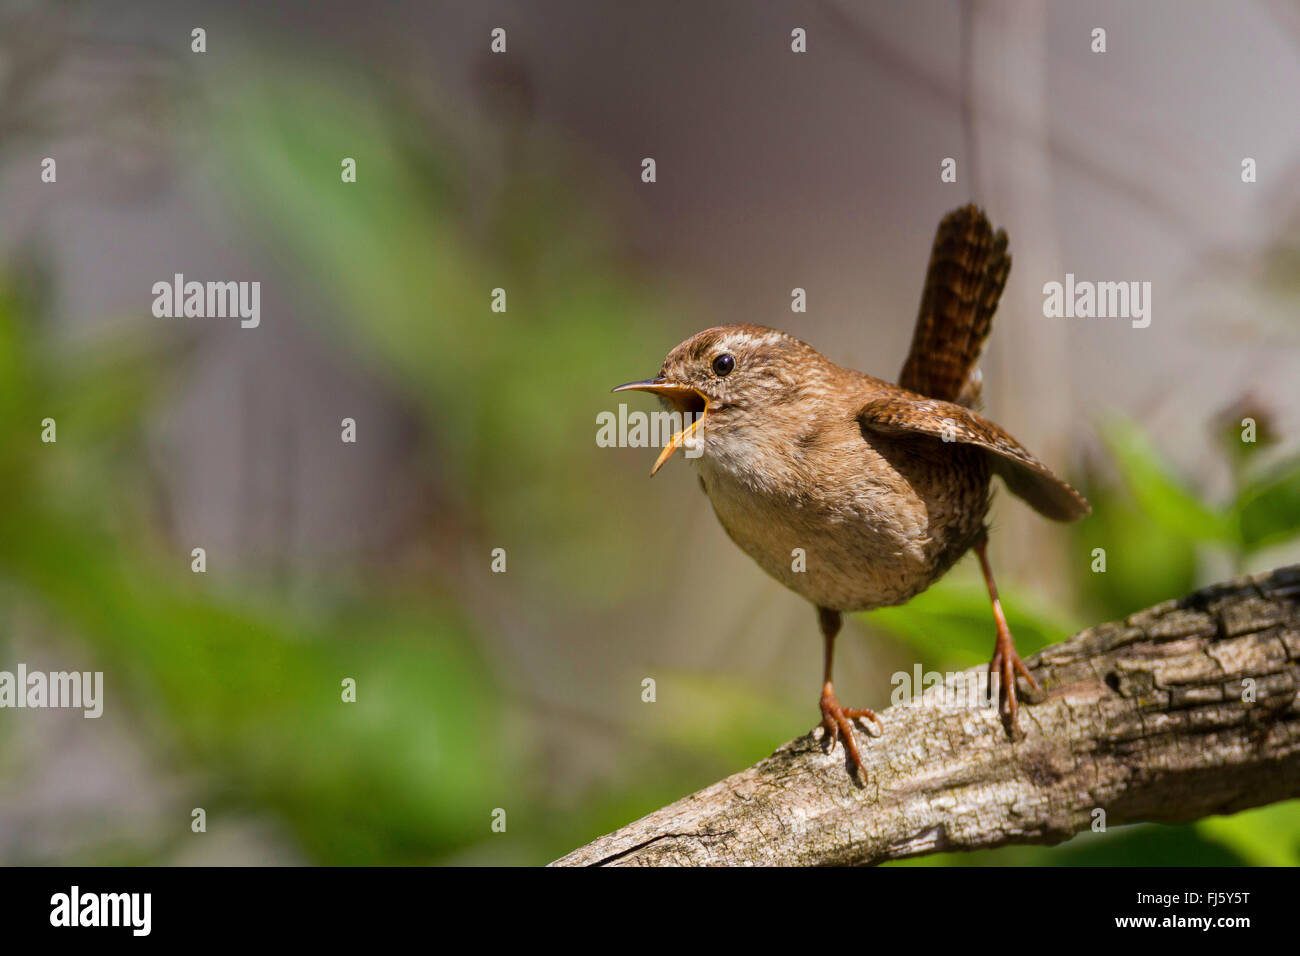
point(882, 487)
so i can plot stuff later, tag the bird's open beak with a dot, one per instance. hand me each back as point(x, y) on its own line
point(689, 401)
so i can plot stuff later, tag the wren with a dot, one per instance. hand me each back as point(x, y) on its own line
point(883, 487)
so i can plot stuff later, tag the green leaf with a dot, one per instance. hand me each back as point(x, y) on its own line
point(1268, 509)
point(951, 624)
point(1159, 492)
point(1145, 563)
point(1265, 836)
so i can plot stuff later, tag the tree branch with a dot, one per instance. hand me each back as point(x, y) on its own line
point(1150, 719)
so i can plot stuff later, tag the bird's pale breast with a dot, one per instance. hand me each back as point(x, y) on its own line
point(850, 521)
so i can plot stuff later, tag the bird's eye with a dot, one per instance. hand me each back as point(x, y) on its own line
point(723, 364)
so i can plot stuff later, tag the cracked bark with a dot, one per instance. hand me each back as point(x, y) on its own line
point(1147, 719)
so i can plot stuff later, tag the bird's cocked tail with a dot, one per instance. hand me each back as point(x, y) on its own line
point(968, 269)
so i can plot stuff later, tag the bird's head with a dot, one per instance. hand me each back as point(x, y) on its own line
point(725, 378)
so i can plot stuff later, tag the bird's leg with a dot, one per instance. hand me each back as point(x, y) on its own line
point(836, 719)
point(1006, 663)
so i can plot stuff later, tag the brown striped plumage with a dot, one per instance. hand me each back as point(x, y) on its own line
point(850, 491)
point(968, 269)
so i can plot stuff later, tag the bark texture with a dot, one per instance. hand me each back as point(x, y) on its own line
point(1184, 710)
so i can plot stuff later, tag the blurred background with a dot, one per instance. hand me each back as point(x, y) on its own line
point(522, 691)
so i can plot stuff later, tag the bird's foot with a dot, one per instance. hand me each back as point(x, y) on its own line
point(1004, 668)
point(837, 722)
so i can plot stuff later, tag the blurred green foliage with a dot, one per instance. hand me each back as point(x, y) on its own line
point(961, 613)
point(250, 696)
point(243, 689)
point(411, 253)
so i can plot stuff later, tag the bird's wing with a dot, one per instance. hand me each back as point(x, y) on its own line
point(1026, 476)
point(969, 265)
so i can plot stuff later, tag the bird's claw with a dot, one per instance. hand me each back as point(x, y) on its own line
point(836, 724)
point(1004, 667)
